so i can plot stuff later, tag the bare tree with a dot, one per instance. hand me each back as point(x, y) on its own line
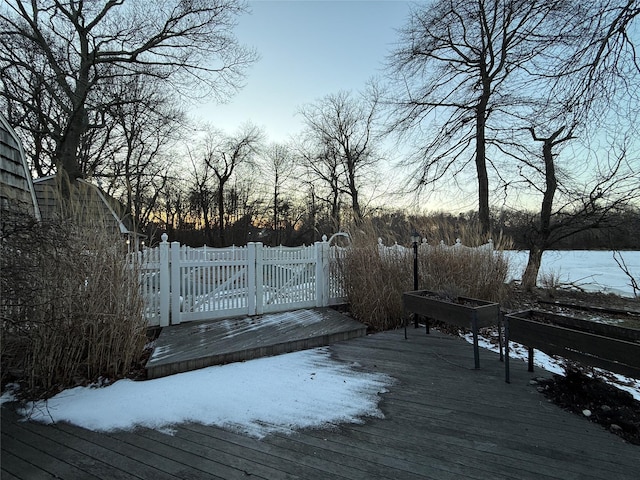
point(224, 154)
point(279, 165)
point(540, 238)
point(595, 58)
point(201, 195)
point(451, 74)
point(172, 209)
point(323, 170)
point(147, 124)
point(344, 130)
point(59, 56)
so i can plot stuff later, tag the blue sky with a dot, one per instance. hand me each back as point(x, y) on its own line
point(308, 49)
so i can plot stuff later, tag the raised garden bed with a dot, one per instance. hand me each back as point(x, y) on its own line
point(591, 343)
point(618, 316)
point(463, 312)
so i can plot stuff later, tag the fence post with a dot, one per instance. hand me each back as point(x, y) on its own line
point(251, 278)
point(165, 281)
point(175, 282)
point(322, 272)
point(258, 278)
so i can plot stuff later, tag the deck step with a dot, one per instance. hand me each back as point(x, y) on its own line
point(194, 345)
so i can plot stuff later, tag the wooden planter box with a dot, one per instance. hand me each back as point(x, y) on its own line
point(462, 312)
point(611, 347)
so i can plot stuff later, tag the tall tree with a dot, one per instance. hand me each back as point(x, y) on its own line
point(58, 56)
point(147, 124)
point(201, 194)
point(224, 154)
point(345, 130)
point(598, 204)
point(591, 74)
point(323, 176)
point(279, 165)
point(451, 75)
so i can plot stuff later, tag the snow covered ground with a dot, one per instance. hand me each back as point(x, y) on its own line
point(593, 270)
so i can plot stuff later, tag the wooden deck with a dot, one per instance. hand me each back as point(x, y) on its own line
point(194, 345)
point(443, 420)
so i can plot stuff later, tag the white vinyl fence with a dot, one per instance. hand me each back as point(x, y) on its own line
point(181, 284)
point(399, 250)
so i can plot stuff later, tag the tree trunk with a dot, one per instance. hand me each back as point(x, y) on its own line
point(221, 222)
point(481, 160)
point(355, 205)
point(276, 231)
point(67, 148)
point(530, 275)
point(540, 241)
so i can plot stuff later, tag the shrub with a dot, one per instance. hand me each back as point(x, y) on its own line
point(375, 282)
point(70, 303)
point(463, 271)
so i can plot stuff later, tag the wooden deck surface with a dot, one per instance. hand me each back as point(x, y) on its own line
point(194, 345)
point(443, 420)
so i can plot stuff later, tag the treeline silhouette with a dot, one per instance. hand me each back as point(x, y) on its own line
point(512, 229)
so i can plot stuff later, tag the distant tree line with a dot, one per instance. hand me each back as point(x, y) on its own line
point(512, 230)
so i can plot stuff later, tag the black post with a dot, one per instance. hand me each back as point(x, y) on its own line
point(506, 351)
point(415, 274)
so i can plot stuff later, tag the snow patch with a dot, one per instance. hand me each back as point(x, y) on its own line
point(276, 394)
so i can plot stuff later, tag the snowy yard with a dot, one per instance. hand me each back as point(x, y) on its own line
point(592, 270)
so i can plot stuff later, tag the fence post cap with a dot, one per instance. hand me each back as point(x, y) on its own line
point(164, 237)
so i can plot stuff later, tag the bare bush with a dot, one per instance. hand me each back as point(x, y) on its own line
point(634, 280)
point(375, 282)
point(461, 271)
point(70, 304)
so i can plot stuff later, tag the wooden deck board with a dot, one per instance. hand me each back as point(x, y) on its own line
point(146, 464)
point(40, 454)
point(443, 420)
point(289, 461)
point(194, 345)
point(13, 466)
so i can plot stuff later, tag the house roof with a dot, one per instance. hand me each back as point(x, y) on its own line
point(16, 185)
point(93, 204)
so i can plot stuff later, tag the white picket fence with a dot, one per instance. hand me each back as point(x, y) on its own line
point(181, 284)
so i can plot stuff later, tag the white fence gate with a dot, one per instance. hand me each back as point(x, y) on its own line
point(180, 283)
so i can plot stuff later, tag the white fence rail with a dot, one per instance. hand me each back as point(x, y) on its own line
point(399, 250)
point(181, 284)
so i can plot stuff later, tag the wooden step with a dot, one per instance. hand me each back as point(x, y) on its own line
point(194, 345)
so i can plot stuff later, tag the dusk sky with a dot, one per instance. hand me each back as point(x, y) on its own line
point(308, 49)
